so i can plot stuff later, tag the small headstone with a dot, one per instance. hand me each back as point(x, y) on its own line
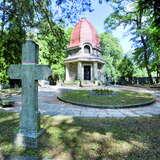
point(29, 73)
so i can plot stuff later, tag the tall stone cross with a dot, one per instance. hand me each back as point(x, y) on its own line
point(29, 73)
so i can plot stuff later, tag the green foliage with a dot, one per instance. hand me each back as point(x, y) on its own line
point(3, 70)
point(17, 22)
point(151, 9)
point(112, 54)
point(10, 47)
point(139, 72)
point(126, 68)
point(141, 18)
point(12, 32)
point(19, 18)
point(53, 52)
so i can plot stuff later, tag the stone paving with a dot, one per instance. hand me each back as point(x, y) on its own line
point(50, 105)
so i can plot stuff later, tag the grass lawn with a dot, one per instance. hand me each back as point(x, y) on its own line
point(10, 91)
point(119, 99)
point(5, 96)
point(69, 138)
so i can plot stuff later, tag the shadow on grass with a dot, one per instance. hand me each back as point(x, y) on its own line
point(68, 138)
point(9, 124)
point(114, 139)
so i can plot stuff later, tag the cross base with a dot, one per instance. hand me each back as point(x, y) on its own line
point(28, 140)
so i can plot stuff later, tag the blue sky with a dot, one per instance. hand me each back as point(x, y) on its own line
point(97, 18)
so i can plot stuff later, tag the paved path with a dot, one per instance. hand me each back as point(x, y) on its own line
point(49, 105)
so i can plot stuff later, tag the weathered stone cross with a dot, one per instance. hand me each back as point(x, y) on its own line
point(29, 72)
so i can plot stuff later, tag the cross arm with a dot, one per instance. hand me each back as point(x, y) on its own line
point(14, 71)
point(42, 72)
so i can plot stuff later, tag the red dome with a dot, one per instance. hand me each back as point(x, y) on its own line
point(84, 32)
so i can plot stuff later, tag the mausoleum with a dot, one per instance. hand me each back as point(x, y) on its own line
point(84, 61)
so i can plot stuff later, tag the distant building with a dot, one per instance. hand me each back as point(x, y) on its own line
point(84, 61)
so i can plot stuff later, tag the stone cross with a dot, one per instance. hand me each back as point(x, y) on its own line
point(29, 73)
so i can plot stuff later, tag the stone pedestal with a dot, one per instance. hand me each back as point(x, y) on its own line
point(28, 139)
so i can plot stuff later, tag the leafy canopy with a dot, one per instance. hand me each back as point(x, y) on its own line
point(20, 18)
point(112, 54)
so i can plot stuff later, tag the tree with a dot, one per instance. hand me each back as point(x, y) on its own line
point(17, 18)
point(112, 54)
point(126, 67)
point(52, 53)
point(12, 36)
point(137, 21)
point(152, 8)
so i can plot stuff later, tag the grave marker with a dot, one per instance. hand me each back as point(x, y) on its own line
point(29, 73)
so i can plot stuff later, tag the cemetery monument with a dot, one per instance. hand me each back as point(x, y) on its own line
point(85, 61)
point(29, 73)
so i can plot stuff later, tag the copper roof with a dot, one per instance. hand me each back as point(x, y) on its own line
point(84, 32)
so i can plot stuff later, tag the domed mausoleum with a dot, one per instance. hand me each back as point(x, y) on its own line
point(84, 61)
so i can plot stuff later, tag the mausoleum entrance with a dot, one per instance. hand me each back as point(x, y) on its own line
point(87, 72)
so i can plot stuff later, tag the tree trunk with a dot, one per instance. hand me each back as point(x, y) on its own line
point(146, 60)
point(158, 73)
point(143, 40)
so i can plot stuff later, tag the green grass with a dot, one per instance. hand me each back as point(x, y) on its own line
point(69, 138)
point(120, 99)
point(5, 96)
point(10, 91)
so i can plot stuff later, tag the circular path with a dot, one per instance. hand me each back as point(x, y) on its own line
point(50, 105)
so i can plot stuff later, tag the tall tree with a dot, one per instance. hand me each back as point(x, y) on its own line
point(126, 67)
point(19, 17)
point(151, 8)
point(128, 14)
point(12, 36)
point(52, 53)
point(112, 54)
